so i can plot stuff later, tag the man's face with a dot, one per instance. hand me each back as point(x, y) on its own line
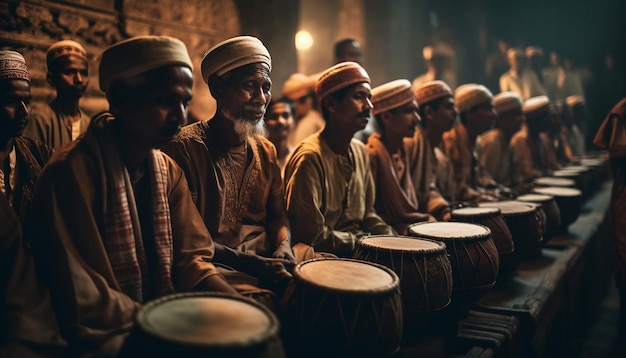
point(303, 105)
point(279, 122)
point(14, 107)
point(403, 120)
point(354, 109)
point(482, 117)
point(158, 108)
point(511, 122)
point(70, 76)
point(444, 115)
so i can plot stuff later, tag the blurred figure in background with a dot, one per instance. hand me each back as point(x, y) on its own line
point(348, 50)
point(279, 123)
point(534, 56)
point(438, 61)
point(299, 89)
point(560, 84)
point(496, 64)
point(575, 124)
point(519, 78)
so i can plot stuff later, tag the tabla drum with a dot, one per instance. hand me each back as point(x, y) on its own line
point(342, 308)
point(551, 210)
point(553, 181)
point(569, 201)
point(204, 324)
point(500, 233)
point(579, 176)
point(473, 257)
point(526, 224)
point(424, 271)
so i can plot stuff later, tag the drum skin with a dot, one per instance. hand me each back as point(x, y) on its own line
point(473, 256)
point(551, 210)
point(193, 324)
point(342, 308)
point(569, 201)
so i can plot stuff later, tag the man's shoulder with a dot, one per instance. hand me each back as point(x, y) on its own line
point(195, 132)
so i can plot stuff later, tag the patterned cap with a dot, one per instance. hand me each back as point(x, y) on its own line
point(471, 95)
point(432, 90)
point(234, 53)
point(13, 66)
point(65, 48)
point(506, 102)
point(340, 76)
point(391, 95)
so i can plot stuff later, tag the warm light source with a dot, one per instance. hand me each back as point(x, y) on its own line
point(304, 40)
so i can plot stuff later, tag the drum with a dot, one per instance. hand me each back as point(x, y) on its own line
point(473, 257)
point(569, 201)
point(500, 233)
point(424, 270)
point(551, 210)
point(204, 324)
point(342, 308)
point(553, 181)
point(580, 176)
point(526, 223)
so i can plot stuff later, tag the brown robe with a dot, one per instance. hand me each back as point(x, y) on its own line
point(461, 154)
point(47, 125)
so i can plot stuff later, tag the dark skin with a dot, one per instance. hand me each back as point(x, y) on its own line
point(70, 76)
point(15, 101)
point(150, 109)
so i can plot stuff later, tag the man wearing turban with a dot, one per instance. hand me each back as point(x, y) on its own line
point(329, 188)
point(232, 169)
point(62, 121)
point(114, 223)
point(395, 110)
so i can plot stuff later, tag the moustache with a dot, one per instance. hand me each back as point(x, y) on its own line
point(365, 114)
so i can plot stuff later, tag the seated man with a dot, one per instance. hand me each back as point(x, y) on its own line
point(395, 110)
point(21, 158)
point(328, 183)
point(113, 223)
point(531, 157)
point(62, 121)
point(492, 148)
point(429, 173)
point(475, 104)
point(232, 169)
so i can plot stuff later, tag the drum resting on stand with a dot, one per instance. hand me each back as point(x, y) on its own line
point(551, 210)
point(473, 257)
point(569, 201)
point(425, 276)
point(342, 308)
point(204, 324)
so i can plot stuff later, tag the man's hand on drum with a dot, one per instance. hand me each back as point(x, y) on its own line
point(284, 251)
point(271, 271)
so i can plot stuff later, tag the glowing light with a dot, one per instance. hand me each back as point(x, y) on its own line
point(304, 40)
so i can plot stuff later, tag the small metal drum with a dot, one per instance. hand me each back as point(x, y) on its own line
point(424, 270)
point(526, 223)
point(342, 308)
point(204, 324)
point(473, 257)
point(569, 201)
point(500, 233)
point(551, 210)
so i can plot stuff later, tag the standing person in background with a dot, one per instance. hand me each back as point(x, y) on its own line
point(279, 123)
point(492, 148)
point(519, 78)
point(395, 109)
point(62, 121)
point(560, 84)
point(611, 137)
point(496, 64)
point(534, 56)
point(348, 50)
point(113, 223)
point(575, 124)
point(328, 182)
point(438, 114)
point(438, 60)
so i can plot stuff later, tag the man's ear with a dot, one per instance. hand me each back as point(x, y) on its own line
point(215, 86)
point(329, 103)
point(50, 78)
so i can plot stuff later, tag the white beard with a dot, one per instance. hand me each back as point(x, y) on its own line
point(245, 128)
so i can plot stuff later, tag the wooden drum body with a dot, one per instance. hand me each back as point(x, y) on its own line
point(500, 233)
point(204, 324)
point(342, 308)
point(526, 223)
point(551, 210)
point(569, 201)
point(473, 257)
point(423, 268)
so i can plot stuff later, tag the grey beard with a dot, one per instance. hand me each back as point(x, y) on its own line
point(246, 128)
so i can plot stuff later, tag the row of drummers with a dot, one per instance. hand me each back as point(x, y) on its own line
point(393, 290)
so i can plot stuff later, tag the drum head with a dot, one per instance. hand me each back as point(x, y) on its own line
point(449, 230)
point(511, 207)
point(552, 181)
point(402, 243)
point(559, 191)
point(474, 212)
point(209, 320)
point(535, 198)
point(347, 275)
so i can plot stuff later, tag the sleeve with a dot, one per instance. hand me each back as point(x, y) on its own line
point(372, 223)
point(277, 222)
point(193, 246)
point(304, 193)
point(91, 310)
point(488, 152)
point(35, 129)
point(523, 163)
